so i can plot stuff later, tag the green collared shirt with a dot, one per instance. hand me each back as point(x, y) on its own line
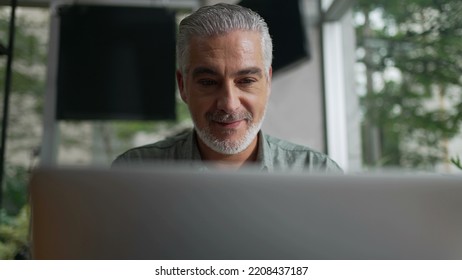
point(273, 155)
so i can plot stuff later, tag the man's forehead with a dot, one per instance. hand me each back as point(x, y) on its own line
point(236, 33)
point(235, 42)
point(234, 53)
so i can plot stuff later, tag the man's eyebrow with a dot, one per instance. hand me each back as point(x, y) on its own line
point(250, 71)
point(203, 70)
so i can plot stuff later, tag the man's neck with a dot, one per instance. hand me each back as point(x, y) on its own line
point(223, 161)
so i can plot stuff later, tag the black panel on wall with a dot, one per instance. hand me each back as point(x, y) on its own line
point(286, 27)
point(116, 63)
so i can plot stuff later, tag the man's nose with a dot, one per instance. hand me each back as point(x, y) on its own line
point(228, 98)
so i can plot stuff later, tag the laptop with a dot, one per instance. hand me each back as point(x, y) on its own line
point(173, 213)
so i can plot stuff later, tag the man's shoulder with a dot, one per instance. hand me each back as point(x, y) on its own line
point(290, 147)
point(165, 149)
point(286, 152)
point(285, 145)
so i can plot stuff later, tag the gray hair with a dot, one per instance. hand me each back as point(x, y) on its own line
point(220, 19)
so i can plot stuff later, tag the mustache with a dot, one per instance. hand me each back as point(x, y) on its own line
point(221, 116)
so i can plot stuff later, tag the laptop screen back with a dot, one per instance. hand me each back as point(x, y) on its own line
point(180, 214)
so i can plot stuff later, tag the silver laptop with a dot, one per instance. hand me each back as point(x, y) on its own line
point(160, 213)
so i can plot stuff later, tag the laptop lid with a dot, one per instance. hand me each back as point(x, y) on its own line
point(181, 214)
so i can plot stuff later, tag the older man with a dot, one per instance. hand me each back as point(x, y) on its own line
point(224, 53)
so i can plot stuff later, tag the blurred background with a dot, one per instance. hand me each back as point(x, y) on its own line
point(376, 84)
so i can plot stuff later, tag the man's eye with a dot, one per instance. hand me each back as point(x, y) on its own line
point(207, 82)
point(246, 81)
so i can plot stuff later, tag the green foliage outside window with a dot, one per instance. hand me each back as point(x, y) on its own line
point(457, 162)
point(14, 235)
point(23, 138)
point(409, 121)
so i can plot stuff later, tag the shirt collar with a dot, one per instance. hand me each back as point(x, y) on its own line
point(265, 155)
point(193, 147)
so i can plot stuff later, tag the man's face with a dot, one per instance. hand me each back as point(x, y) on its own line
point(226, 89)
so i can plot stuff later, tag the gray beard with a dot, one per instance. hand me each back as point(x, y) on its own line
point(228, 147)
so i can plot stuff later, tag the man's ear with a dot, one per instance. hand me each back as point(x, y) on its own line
point(180, 82)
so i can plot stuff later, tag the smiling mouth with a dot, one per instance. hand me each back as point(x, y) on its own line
point(230, 124)
point(228, 121)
